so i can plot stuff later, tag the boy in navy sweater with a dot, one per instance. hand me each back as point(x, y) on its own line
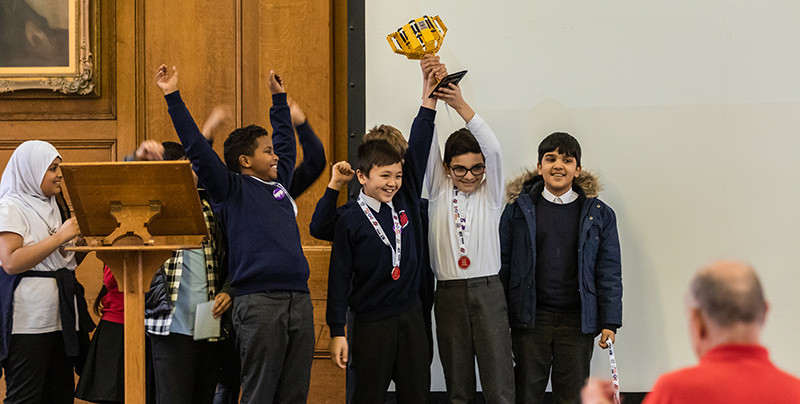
point(560, 265)
point(375, 270)
point(273, 312)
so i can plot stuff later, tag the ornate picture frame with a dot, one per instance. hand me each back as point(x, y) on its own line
point(46, 45)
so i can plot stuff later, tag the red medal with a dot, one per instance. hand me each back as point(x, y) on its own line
point(396, 273)
point(463, 262)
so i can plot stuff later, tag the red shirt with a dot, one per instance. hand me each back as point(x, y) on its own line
point(113, 301)
point(728, 374)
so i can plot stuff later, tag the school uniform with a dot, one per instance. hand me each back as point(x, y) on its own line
point(273, 316)
point(389, 339)
point(563, 277)
point(44, 321)
point(470, 306)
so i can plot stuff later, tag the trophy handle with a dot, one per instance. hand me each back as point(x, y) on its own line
point(392, 38)
point(443, 28)
point(401, 47)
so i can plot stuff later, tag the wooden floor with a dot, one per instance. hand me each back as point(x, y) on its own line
point(327, 384)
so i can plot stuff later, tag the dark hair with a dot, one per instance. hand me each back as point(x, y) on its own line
point(564, 143)
point(460, 142)
point(98, 301)
point(173, 151)
point(242, 141)
point(376, 153)
point(728, 300)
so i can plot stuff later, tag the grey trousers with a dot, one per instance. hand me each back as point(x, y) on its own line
point(556, 342)
point(472, 322)
point(275, 337)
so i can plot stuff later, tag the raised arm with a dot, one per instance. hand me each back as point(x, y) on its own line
point(220, 116)
point(326, 214)
point(210, 169)
point(485, 137)
point(435, 177)
point(313, 163)
point(419, 141)
point(283, 140)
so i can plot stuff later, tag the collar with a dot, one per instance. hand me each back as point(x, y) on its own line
point(567, 197)
point(373, 203)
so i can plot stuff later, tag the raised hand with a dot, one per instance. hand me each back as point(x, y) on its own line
point(341, 174)
point(298, 117)
point(220, 115)
point(168, 84)
point(149, 150)
point(453, 97)
point(275, 83)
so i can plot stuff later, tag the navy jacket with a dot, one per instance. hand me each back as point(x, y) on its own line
point(599, 265)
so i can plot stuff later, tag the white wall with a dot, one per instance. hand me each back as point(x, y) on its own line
point(689, 110)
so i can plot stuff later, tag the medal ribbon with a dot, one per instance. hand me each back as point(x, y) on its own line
point(614, 376)
point(461, 224)
point(398, 239)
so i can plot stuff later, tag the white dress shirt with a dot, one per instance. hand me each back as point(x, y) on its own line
point(483, 208)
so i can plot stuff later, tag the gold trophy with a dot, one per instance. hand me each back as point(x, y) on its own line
point(418, 37)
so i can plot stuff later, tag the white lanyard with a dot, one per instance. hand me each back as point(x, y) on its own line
point(398, 238)
point(614, 376)
point(461, 230)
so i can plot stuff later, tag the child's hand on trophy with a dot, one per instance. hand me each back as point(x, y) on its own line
point(428, 63)
point(451, 94)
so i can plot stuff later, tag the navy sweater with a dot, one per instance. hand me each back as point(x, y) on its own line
point(313, 160)
point(557, 256)
point(264, 247)
point(361, 265)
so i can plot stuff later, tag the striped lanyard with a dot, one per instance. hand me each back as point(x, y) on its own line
point(461, 231)
point(398, 239)
point(461, 224)
point(614, 375)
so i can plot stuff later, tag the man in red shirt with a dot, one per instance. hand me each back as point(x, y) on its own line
point(726, 309)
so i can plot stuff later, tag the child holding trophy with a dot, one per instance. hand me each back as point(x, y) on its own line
point(466, 201)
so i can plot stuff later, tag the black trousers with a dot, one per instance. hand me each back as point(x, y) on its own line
point(185, 370)
point(396, 349)
point(556, 342)
point(38, 370)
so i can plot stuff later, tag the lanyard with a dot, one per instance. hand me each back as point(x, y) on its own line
point(614, 375)
point(398, 238)
point(461, 230)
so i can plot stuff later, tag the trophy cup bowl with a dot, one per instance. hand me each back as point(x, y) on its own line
point(418, 37)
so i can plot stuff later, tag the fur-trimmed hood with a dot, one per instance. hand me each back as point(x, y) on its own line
point(588, 182)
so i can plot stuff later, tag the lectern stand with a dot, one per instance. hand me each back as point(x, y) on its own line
point(134, 215)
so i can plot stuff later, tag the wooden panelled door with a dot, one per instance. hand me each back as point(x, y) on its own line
point(224, 51)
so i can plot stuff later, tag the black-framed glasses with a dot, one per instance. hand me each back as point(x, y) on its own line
point(461, 171)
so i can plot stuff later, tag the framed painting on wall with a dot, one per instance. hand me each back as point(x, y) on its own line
point(46, 44)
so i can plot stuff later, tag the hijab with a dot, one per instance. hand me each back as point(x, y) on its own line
point(20, 187)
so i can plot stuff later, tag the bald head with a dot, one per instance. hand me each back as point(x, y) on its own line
point(728, 293)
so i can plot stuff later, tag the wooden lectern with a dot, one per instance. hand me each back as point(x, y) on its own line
point(134, 215)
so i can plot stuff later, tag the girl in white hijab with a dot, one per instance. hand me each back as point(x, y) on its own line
point(39, 296)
